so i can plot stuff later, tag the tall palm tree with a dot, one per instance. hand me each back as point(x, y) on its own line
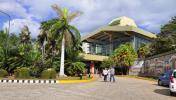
point(46, 40)
point(25, 35)
point(42, 37)
point(25, 45)
point(68, 34)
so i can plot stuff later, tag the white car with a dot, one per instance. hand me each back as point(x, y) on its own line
point(172, 85)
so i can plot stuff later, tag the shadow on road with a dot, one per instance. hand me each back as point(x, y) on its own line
point(167, 86)
point(162, 92)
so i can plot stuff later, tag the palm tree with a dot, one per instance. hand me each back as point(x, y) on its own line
point(42, 37)
point(25, 35)
point(68, 34)
point(25, 45)
point(46, 40)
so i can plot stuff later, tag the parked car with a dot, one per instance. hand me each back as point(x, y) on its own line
point(172, 85)
point(164, 79)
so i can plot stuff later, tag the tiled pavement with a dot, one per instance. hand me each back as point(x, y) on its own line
point(122, 89)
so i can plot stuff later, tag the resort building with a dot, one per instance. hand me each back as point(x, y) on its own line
point(99, 44)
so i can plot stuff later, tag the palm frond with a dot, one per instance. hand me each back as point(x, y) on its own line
point(68, 38)
point(73, 15)
point(75, 31)
point(58, 10)
point(56, 28)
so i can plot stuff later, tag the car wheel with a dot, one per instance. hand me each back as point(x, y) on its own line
point(171, 93)
point(160, 83)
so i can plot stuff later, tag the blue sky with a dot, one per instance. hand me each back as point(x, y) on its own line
point(148, 14)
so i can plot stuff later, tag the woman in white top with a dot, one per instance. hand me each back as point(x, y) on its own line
point(105, 74)
point(108, 76)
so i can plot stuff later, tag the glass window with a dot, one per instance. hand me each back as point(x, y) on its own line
point(174, 74)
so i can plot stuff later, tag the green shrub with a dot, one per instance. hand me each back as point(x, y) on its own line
point(48, 74)
point(3, 73)
point(22, 72)
point(76, 68)
point(35, 71)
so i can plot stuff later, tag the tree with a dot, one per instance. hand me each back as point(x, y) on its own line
point(8, 54)
point(143, 51)
point(124, 56)
point(47, 40)
point(25, 47)
point(166, 39)
point(25, 35)
point(107, 63)
point(68, 34)
point(3, 49)
point(161, 45)
point(76, 68)
point(169, 29)
point(42, 42)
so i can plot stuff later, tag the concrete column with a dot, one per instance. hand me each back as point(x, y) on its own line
point(110, 45)
point(92, 68)
point(134, 42)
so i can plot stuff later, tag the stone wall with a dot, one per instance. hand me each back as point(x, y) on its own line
point(155, 65)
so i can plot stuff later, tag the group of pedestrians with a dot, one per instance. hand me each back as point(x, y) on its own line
point(109, 74)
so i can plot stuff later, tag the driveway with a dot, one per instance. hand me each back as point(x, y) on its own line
point(122, 89)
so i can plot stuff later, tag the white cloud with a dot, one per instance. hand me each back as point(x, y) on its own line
point(14, 9)
point(17, 24)
point(148, 14)
point(39, 9)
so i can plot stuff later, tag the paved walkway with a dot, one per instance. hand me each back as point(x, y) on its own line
point(123, 89)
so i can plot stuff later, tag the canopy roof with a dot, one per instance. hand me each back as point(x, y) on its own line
point(120, 30)
point(123, 21)
point(121, 26)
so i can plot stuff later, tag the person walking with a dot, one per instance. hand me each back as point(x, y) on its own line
point(100, 73)
point(109, 74)
point(105, 74)
point(112, 73)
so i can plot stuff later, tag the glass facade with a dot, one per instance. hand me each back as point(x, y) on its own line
point(139, 41)
point(105, 49)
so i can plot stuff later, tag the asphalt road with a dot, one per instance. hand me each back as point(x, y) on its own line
point(122, 89)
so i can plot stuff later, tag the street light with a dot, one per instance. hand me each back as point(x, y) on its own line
point(9, 19)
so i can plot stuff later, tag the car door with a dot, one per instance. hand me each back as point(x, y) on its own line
point(167, 78)
point(174, 75)
point(164, 79)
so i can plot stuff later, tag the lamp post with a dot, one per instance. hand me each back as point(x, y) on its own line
point(8, 30)
point(9, 20)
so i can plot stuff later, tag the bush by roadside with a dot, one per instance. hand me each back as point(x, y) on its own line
point(76, 69)
point(3, 73)
point(23, 72)
point(48, 74)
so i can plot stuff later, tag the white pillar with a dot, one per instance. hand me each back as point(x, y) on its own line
point(134, 43)
point(62, 58)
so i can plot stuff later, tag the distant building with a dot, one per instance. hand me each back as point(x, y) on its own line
point(99, 44)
